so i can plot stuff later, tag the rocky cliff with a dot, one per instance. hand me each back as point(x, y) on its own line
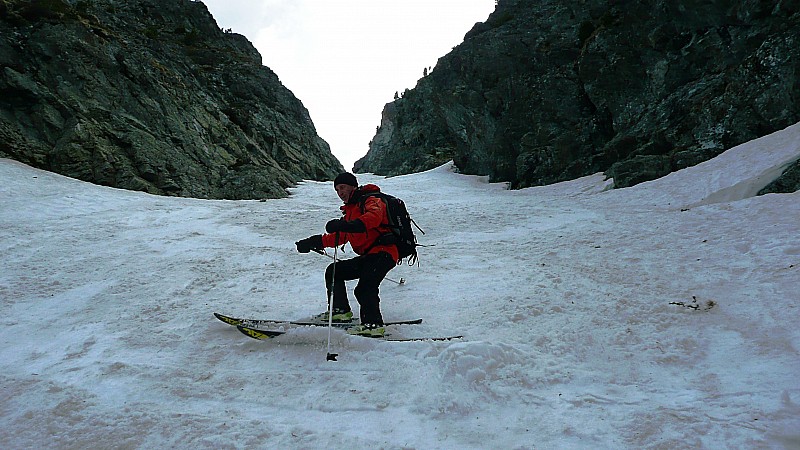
point(149, 95)
point(548, 90)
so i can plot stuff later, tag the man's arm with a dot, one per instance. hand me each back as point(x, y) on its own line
point(344, 226)
point(374, 213)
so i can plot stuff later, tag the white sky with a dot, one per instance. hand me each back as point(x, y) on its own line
point(345, 59)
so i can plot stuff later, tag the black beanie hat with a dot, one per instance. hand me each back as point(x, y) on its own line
point(346, 178)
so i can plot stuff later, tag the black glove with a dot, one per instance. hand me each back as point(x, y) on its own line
point(310, 243)
point(355, 226)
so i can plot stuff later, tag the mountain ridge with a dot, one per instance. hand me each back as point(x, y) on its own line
point(150, 96)
point(544, 91)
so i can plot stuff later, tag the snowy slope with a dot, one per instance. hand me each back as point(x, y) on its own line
point(659, 316)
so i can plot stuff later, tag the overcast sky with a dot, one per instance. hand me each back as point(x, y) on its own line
point(345, 59)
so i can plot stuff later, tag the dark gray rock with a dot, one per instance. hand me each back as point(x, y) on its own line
point(151, 96)
point(789, 181)
point(546, 91)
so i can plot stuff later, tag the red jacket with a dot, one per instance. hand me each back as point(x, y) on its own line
point(374, 218)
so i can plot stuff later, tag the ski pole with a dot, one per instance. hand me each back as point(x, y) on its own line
point(332, 356)
point(400, 282)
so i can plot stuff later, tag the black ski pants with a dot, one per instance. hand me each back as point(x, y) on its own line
point(369, 270)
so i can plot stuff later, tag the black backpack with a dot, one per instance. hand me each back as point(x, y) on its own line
point(400, 222)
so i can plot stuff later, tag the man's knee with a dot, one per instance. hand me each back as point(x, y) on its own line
point(329, 271)
point(365, 291)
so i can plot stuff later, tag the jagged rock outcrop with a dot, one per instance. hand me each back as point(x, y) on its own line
point(152, 96)
point(789, 181)
point(546, 90)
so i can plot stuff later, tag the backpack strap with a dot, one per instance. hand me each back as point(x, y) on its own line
point(390, 237)
point(387, 238)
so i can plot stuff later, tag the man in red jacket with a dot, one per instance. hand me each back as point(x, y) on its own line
point(364, 221)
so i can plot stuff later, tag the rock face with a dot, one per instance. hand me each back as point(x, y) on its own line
point(149, 95)
point(546, 90)
point(789, 181)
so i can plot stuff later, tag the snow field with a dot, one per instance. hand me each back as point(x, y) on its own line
point(659, 316)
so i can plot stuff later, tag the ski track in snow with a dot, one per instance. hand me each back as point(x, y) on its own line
point(659, 316)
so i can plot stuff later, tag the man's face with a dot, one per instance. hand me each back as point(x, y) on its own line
point(344, 191)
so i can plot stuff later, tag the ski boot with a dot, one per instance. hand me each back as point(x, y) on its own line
point(339, 316)
point(373, 331)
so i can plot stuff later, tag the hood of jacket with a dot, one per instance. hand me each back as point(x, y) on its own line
point(362, 191)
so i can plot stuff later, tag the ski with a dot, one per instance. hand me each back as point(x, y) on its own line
point(259, 334)
point(260, 323)
point(421, 338)
point(269, 334)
